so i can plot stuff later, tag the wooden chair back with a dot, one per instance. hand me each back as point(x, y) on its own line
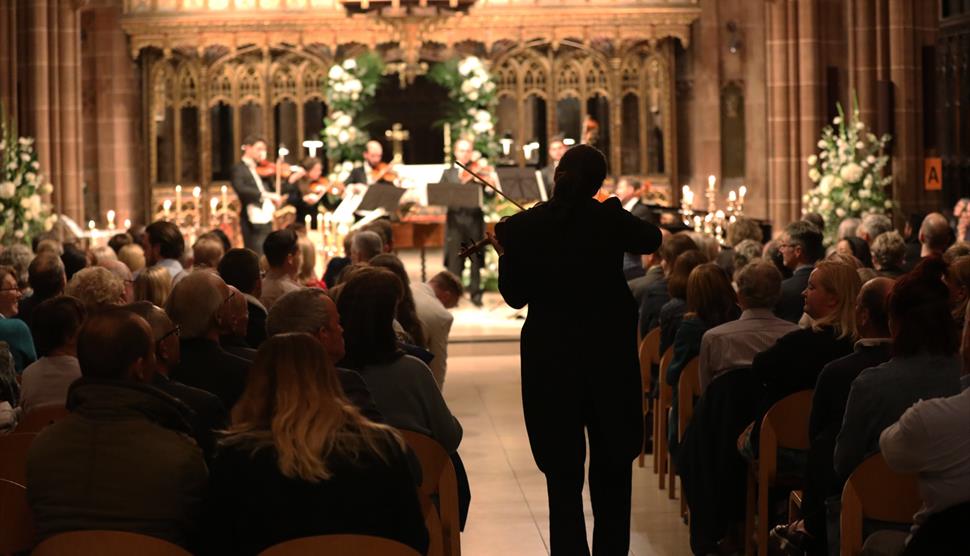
point(16, 525)
point(340, 545)
point(649, 356)
point(106, 543)
point(438, 479)
point(39, 417)
point(13, 462)
point(661, 418)
point(875, 491)
point(688, 388)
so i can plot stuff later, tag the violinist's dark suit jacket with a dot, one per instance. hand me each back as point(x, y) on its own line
point(463, 225)
point(579, 343)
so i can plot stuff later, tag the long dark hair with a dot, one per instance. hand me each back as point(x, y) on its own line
point(579, 175)
point(407, 313)
point(367, 304)
point(919, 312)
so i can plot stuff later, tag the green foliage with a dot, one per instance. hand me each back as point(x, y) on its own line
point(23, 214)
point(472, 92)
point(351, 86)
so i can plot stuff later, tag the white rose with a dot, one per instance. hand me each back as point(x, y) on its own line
point(30, 177)
point(347, 166)
point(7, 189)
point(344, 120)
point(888, 204)
point(852, 173)
point(332, 143)
point(49, 223)
point(489, 87)
point(812, 160)
point(19, 234)
point(473, 96)
point(35, 165)
point(343, 136)
point(25, 202)
point(840, 212)
point(475, 82)
point(837, 120)
point(481, 127)
point(825, 205)
point(860, 145)
point(860, 126)
point(864, 194)
point(350, 64)
point(335, 72)
point(822, 144)
point(355, 86)
point(837, 182)
point(855, 205)
point(28, 215)
point(46, 189)
point(814, 175)
point(354, 96)
point(483, 116)
point(867, 183)
point(466, 87)
point(25, 141)
point(25, 157)
point(825, 187)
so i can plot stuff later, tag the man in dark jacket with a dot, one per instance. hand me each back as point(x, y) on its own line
point(240, 268)
point(256, 200)
point(123, 460)
point(801, 247)
point(47, 279)
point(199, 304)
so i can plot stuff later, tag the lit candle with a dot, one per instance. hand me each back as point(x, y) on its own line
point(320, 222)
point(213, 203)
point(225, 198)
point(711, 180)
point(732, 196)
point(178, 203)
point(127, 223)
point(196, 192)
point(111, 219)
point(306, 221)
point(742, 191)
point(166, 207)
point(91, 225)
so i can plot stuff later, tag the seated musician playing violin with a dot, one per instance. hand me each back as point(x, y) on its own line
point(374, 169)
point(308, 189)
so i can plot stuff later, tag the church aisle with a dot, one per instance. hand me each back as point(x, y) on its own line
point(509, 514)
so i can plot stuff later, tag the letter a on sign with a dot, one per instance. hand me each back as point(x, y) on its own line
point(933, 174)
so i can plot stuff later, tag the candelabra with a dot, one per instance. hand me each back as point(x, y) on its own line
point(715, 221)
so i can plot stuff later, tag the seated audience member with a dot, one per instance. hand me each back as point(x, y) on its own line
point(14, 332)
point(855, 247)
point(436, 321)
point(866, 274)
point(164, 246)
point(56, 325)
point(149, 477)
point(734, 344)
point(772, 254)
point(336, 265)
point(706, 244)
point(133, 256)
point(672, 312)
point(18, 257)
point(955, 251)
point(48, 245)
point(299, 461)
point(383, 228)
point(815, 219)
point(656, 295)
point(745, 253)
point(153, 284)
point(208, 413)
point(232, 337)
point(447, 288)
point(848, 228)
point(653, 271)
point(74, 259)
point(958, 281)
point(935, 235)
point(932, 438)
point(924, 364)
point(207, 251)
point(47, 280)
point(122, 272)
point(365, 246)
point(795, 361)
point(222, 237)
point(97, 288)
point(407, 315)
point(888, 254)
point(742, 229)
point(801, 247)
point(873, 226)
point(308, 267)
point(711, 301)
point(118, 241)
point(199, 305)
point(828, 408)
point(283, 257)
point(102, 254)
point(240, 269)
point(311, 311)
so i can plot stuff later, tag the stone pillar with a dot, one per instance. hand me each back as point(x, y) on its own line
point(809, 114)
point(706, 123)
point(8, 59)
point(781, 208)
point(68, 106)
point(862, 60)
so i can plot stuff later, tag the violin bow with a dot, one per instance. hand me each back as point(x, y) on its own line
point(484, 182)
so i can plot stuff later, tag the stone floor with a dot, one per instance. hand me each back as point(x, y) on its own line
point(509, 513)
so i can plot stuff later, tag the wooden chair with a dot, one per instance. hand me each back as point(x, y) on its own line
point(688, 388)
point(340, 545)
point(39, 417)
point(784, 426)
point(16, 525)
point(876, 492)
point(13, 463)
point(648, 358)
point(661, 408)
point(106, 543)
point(437, 479)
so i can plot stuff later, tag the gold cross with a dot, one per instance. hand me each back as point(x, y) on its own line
point(398, 135)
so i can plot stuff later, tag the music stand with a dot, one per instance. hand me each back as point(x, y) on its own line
point(386, 197)
point(520, 184)
point(454, 195)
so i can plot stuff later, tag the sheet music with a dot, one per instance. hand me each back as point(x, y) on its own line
point(542, 186)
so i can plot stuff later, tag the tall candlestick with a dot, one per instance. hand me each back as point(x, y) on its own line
point(213, 203)
point(91, 225)
point(111, 219)
point(166, 207)
point(178, 203)
point(127, 223)
point(306, 222)
point(711, 181)
point(225, 203)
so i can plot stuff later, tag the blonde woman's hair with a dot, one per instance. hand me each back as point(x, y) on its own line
point(154, 284)
point(309, 260)
point(293, 402)
point(96, 287)
point(133, 256)
point(840, 279)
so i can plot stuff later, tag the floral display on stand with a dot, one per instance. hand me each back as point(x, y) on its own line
point(351, 86)
point(23, 213)
point(473, 100)
point(849, 171)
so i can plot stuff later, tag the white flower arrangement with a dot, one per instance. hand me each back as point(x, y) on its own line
point(351, 86)
point(25, 215)
point(849, 173)
point(472, 91)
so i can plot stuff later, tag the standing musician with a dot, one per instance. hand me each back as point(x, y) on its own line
point(308, 189)
point(556, 149)
point(580, 374)
point(257, 201)
point(374, 170)
point(464, 225)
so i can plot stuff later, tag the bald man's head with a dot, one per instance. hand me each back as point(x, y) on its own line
point(116, 344)
point(155, 316)
point(463, 151)
point(872, 315)
point(373, 152)
point(935, 233)
point(197, 303)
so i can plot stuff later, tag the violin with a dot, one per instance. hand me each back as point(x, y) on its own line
point(470, 249)
point(476, 166)
point(382, 172)
point(266, 169)
point(321, 186)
